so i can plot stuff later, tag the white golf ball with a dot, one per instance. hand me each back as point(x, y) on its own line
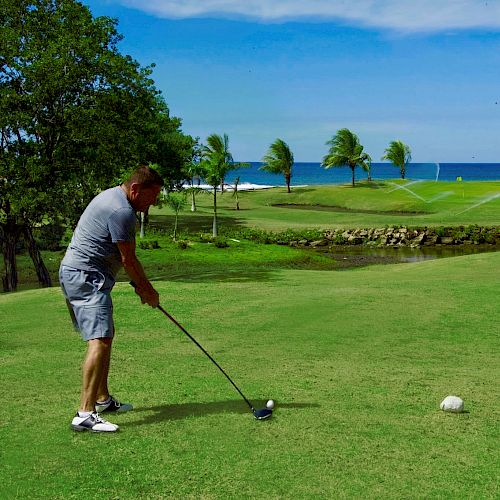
point(270, 404)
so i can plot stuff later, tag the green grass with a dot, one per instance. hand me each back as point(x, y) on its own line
point(424, 203)
point(357, 361)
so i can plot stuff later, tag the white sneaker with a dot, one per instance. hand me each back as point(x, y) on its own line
point(92, 422)
point(113, 405)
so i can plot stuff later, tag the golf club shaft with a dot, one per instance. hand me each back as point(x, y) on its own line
point(171, 318)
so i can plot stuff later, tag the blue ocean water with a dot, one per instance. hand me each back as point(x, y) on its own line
point(314, 174)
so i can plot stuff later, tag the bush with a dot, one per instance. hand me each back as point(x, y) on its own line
point(183, 244)
point(149, 245)
point(220, 242)
point(339, 239)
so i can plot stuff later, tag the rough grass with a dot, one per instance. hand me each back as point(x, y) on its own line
point(357, 361)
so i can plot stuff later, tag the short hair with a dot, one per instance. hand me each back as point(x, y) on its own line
point(144, 176)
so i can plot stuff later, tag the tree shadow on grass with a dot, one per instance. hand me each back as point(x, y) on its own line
point(179, 411)
point(192, 223)
point(218, 276)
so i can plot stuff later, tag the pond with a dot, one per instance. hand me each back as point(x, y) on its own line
point(348, 256)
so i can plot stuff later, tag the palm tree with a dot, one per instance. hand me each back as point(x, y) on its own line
point(193, 169)
point(216, 163)
point(176, 201)
point(279, 160)
point(346, 151)
point(399, 154)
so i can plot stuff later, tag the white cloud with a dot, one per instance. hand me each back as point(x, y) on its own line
point(398, 15)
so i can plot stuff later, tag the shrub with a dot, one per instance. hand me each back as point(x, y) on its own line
point(220, 242)
point(149, 245)
point(183, 244)
point(339, 239)
point(440, 231)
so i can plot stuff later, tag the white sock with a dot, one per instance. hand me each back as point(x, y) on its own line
point(104, 402)
point(83, 414)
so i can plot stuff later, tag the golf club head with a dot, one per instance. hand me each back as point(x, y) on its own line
point(262, 414)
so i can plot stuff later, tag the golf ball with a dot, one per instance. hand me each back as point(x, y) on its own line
point(270, 404)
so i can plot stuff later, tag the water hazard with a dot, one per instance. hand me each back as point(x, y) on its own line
point(356, 256)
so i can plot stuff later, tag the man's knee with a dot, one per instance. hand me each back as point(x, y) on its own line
point(101, 345)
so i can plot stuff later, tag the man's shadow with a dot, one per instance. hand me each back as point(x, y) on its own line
point(179, 411)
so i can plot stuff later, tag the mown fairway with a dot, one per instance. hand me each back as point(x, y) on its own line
point(379, 203)
point(357, 361)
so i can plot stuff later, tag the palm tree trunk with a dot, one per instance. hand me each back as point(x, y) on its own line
point(142, 233)
point(352, 168)
point(214, 225)
point(402, 173)
point(193, 201)
point(175, 225)
point(193, 198)
point(287, 180)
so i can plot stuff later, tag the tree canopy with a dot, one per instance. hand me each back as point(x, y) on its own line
point(75, 115)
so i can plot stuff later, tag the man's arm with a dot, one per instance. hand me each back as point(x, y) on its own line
point(136, 273)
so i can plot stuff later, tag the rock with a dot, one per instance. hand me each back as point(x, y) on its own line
point(355, 240)
point(452, 404)
point(447, 240)
point(318, 243)
point(420, 239)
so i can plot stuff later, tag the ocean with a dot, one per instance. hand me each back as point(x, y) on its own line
point(313, 174)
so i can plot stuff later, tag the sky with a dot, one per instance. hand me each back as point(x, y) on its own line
point(426, 72)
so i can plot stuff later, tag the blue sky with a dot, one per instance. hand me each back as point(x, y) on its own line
point(425, 72)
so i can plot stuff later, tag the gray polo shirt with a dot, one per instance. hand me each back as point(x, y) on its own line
point(108, 218)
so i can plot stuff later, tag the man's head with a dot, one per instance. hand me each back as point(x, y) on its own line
point(143, 187)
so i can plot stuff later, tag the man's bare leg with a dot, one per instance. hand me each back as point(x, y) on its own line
point(102, 389)
point(95, 365)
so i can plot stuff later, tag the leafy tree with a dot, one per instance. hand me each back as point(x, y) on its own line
point(75, 115)
point(173, 153)
point(279, 160)
point(346, 151)
point(399, 154)
point(176, 201)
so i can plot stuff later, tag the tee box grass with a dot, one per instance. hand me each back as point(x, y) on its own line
point(357, 361)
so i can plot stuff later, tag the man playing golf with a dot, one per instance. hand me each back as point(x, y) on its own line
point(103, 242)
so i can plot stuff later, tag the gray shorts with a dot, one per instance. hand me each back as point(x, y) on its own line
point(89, 295)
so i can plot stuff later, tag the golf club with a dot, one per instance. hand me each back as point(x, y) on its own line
point(258, 414)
